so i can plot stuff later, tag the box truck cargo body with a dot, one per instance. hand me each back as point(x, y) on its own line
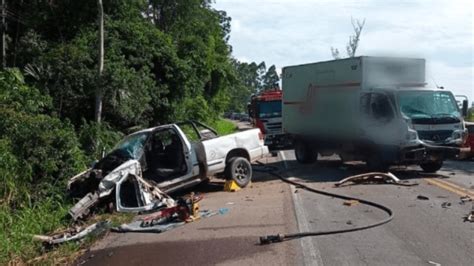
point(374, 109)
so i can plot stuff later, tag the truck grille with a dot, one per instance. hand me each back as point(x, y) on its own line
point(274, 127)
point(437, 135)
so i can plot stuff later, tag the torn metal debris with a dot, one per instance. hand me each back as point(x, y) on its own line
point(375, 177)
point(74, 234)
point(132, 192)
point(465, 199)
point(470, 216)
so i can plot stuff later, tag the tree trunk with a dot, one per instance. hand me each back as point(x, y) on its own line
point(99, 91)
point(4, 39)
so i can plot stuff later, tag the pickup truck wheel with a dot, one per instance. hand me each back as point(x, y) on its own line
point(304, 154)
point(431, 167)
point(240, 170)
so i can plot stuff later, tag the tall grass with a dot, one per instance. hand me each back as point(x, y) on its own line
point(224, 127)
point(18, 226)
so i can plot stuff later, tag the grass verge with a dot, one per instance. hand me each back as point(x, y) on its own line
point(224, 126)
point(18, 227)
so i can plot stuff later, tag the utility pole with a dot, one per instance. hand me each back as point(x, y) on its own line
point(4, 39)
point(99, 91)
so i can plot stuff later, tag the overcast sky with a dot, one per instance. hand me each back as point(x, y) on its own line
point(288, 32)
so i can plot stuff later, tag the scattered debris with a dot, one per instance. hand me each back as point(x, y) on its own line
point(375, 178)
point(470, 216)
point(223, 211)
point(434, 263)
point(82, 208)
point(137, 226)
point(186, 210)
point(351, 202)
point(421, 197)
point(446, 204)
point(141, 227)
point(74, 234)
point(465, 199)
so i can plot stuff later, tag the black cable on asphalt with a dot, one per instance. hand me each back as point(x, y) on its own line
point(281, 237)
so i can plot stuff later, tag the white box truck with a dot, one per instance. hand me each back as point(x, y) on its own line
point(374, 109)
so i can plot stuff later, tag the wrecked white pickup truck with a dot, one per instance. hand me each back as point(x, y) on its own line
point(136, 175)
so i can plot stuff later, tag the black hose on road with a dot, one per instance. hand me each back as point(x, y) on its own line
point(281, 237)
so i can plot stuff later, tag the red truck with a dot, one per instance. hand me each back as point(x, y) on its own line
point(265, 113)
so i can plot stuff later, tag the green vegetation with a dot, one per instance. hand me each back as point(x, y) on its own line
point(224, 127)
point(164, 61)
point(470, 115)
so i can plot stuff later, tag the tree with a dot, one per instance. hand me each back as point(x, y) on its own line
point(261, 70)
point(353, 43)
point(271, 79)
point(98, 92)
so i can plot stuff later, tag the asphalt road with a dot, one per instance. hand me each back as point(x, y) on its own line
point(423, 232)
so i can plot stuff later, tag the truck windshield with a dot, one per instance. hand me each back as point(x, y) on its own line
point(429, 105)
point(132, 146)
point(269, 109)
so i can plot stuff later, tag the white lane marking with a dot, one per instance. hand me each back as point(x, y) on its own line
point(311, 253)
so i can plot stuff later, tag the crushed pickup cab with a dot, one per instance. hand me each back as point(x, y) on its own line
point(146, 165)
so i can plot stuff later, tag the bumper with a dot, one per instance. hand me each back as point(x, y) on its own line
point(429, 152)
point(446, 152)
point(278, 142)
point(412, 154)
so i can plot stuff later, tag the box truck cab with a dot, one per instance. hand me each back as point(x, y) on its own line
point(374, 109)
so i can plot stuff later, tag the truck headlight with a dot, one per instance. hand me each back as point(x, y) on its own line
point(458, 136)
point(411, 135)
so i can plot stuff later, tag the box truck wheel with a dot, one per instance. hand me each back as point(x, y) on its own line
point(304, 153)
point(431, 167)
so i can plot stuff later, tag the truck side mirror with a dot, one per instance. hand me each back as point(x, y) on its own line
point(464, 108)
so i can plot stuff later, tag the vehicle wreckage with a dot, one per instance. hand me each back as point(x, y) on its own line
point(138, 174)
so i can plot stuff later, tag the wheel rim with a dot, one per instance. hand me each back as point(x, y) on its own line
point(241, 171)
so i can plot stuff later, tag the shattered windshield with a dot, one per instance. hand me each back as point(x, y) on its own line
point(428, 104)
point(132, 146)
point(269, 109)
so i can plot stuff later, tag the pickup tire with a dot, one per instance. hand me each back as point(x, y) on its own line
point(239, 169)
point(304, 153)
point(431, 167)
